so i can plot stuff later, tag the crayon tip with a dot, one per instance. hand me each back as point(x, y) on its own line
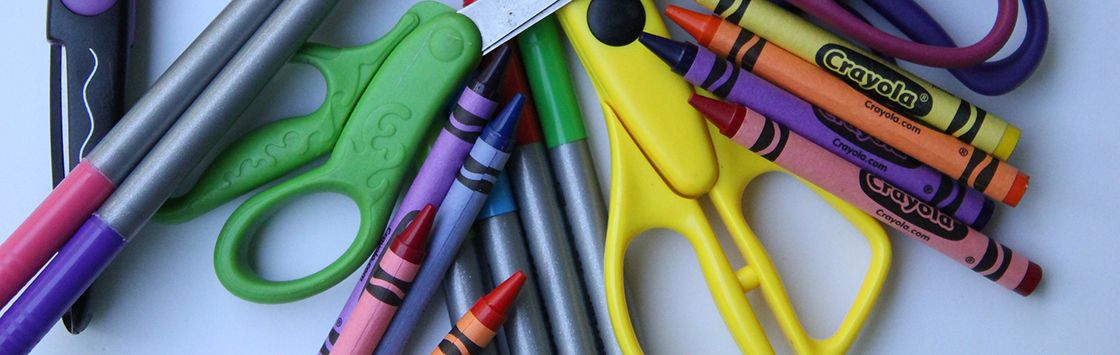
point(678, 55)
point(411, 243)
point(490, 77)
point(1030, 280)
point(702, 27)
point(1018, 188)
point(499, 133)
point(727, 117)
point(491, 309)
point(467, 2)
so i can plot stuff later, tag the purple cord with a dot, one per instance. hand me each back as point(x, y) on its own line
point(990, 78)
point(948, 57)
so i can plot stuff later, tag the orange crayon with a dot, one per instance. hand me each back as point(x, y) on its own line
point(951, 156)
point(475, 330)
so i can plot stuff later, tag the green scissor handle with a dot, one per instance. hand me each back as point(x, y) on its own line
point(368, 164)
point(277, 148)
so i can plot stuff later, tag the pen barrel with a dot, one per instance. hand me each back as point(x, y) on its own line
point(49, 227)
point(79, 262)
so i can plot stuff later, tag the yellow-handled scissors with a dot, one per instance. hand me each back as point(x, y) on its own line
point(645, 107)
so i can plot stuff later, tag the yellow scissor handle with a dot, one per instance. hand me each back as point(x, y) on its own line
point(738, 167)
point(650, 100)
point(641, 201)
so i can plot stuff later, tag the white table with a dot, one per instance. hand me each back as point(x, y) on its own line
point(161, 295)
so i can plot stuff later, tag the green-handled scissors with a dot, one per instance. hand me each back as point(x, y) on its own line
point(381, 99)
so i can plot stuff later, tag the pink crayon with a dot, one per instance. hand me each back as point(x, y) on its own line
point(386, 289)
point(872, 195)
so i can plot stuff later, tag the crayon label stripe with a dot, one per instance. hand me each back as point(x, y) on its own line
point(1007, 254)
point(472, 348)
point(737, 16)
point(752, 54)
point(986, 174)
point(467, 117)
point(474, 166)
point(725, 89)
point(970, 135)
point(973, 162)
point(765, 137)
point(446, 347)
point(381, 274)
point(959, 118)
point(944, 188)
point(776, 150)
point(723, 5)
point(384, 295)
point(737, 46)
point(466, 136)
point(714, 75)
point(323, 350)
point(957, 201)
point(480, 186)
point(989, 257)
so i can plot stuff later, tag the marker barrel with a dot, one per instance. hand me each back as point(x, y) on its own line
point(502, 246)
point(884, 201)
point(544, 55)
point(92, 181)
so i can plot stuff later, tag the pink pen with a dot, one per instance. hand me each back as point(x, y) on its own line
point(387, 287)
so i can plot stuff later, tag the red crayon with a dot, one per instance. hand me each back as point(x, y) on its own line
point(475, 330)
point(386, 288)
point(872, 195)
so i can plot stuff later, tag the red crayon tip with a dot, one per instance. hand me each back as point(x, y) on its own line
point(491, 309)
point(411, 243)
point(727, 117)
point(1030, 281)
point(1018, 188)
point(702, 27)
point(516, 82)
point(468, 2)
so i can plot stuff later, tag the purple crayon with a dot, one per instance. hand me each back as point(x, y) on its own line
point(725, 79)
point(473, 110)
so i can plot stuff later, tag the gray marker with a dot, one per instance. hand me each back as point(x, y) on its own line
point(464, 285)
point(501, 243)
point(555, 265)
point(558, 107)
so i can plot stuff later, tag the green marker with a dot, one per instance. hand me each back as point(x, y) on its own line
point(558, 109)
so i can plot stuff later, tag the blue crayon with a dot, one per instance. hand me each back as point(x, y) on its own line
point(456, 215)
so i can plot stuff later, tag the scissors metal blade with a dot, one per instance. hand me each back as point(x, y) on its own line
point(500, 20)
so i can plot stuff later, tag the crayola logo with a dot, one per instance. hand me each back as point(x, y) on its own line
point(910, 208)
point(875, 80)
point(864, 142)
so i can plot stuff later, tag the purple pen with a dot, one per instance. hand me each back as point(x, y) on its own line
point(471, 113)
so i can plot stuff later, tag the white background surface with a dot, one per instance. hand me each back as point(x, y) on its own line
point(161, 295)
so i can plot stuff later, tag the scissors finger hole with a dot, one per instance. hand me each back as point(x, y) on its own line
point(655, 294)
point(304, 236)
point(820, 257)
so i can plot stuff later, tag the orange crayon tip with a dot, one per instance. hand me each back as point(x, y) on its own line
point(1030, 280)
point(1018, 188)
point(411, 243)
point(491, 309)
point(727, 117)
point(700, 26)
